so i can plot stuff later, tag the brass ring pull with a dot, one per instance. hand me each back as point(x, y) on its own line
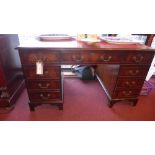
point(3, 88)
point(77, 58)
point(34, 59)
point(41, 86)
point(133, 73)
point(45, 97)
point(105, 59)
point(138, 59)
point(127, 93)
point(130, 83)
point(127, 83)
point(133, 82)
point(44, 59)
point(46, 72)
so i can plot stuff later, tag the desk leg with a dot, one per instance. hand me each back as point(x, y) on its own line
point(134, 102)
point(61, 107)
point(31, 107)
point(111, 103)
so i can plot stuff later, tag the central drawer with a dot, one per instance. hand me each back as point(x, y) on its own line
point(44, 84)
point(106, 57)
point(75, 57)
point(91, 57)
point(45, 95)
point(52, 72)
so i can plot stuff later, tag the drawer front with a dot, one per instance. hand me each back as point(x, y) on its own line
point(130, 82)
point(128, 93)
point(49, 72)
point(91, 57)
point(106, 57)
point(139, 58)
point(76, 57)
point(133, 71)
point(45, 96)
point(43, 85)
point(31, 57)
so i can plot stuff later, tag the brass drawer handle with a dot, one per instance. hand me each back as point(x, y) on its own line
point(3, 88)
point(127, 93)
point(45, 97)
point(102, 58)
point(130, 83)
point(133, 82)
point(77, 58)
point(127, 83)
point(133, 72)
point(46, 72)
point(35, 59)
point(44, 59)
point(138, 59)
point(41, 86)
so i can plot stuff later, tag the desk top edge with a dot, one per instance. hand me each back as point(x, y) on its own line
point(85, 49)
point(74, 45)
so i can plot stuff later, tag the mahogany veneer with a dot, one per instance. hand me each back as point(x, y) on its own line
point(121, 69)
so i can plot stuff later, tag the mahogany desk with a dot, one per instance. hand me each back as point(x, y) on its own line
point(121, 69)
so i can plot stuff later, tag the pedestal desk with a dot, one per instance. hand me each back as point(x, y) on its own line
point(121, 68)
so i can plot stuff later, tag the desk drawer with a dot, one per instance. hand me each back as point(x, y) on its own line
point(44, 84)
point(137, 58)
point(130, 82)
point(128, 93)
point(76, 57)
point(31, 57)
point(92, 57)
point(49, 72)
point(126, 70)
point(106, 57)
point(45, 95)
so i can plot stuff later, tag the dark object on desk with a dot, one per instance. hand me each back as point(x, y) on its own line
point(11, 78)
point(84, 72)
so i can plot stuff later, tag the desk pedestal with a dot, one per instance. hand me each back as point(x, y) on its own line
point(122, 82)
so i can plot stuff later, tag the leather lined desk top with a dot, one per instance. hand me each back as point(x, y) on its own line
point(34, 43)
